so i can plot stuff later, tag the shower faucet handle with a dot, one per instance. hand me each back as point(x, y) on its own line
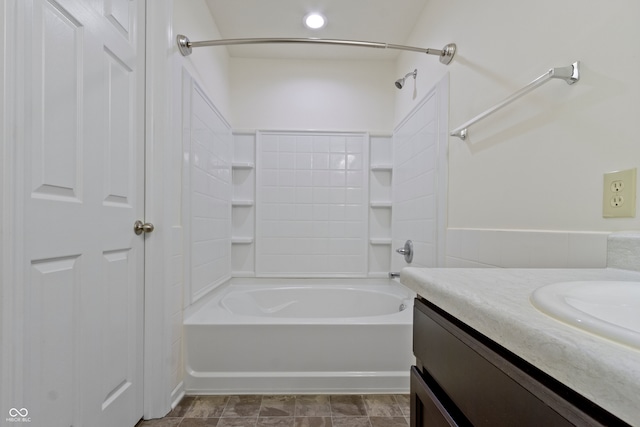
point(407, 251)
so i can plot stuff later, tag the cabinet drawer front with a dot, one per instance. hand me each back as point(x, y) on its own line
point(480, 389)
point(426, 408)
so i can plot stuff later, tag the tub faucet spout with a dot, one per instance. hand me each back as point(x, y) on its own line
point(393, 274)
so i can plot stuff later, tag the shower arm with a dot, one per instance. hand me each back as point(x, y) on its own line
point(414, 73)
point(185, 45)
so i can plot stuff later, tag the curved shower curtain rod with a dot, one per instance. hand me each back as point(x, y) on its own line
point(185, 45)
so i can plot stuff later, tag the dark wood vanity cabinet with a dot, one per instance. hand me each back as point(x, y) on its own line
point(462, 378)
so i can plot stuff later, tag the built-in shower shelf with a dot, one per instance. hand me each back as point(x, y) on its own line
point(242, 203)
point(382, 167)
point(380, 204)
point(380, 241)
point(242, 165)
point(242, 240)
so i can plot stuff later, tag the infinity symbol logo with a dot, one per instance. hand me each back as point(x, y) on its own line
point(13, 412)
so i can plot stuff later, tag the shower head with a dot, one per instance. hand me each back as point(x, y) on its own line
point(400, 82)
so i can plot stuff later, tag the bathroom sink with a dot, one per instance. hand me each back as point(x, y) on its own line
point(610, 309)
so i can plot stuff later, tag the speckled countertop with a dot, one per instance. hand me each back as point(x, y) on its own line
point(496, 303)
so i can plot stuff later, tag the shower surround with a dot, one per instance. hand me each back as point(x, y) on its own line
point(311, 204)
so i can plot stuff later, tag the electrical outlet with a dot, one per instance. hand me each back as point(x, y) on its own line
point(617, 186)
point(619, 194)
point(617, 201)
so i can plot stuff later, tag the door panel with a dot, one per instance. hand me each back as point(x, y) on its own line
point(83, 191)
point(55, 284)
point(121, 16)
point(120, 144)
point(56, 155)
point(120, 379)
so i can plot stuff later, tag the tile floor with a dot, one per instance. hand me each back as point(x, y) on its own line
point(388, 410)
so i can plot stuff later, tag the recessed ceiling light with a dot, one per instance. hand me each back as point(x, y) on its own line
point(314, 21)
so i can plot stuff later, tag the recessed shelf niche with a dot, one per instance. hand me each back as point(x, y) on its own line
point(243, 205)
point(380, 205)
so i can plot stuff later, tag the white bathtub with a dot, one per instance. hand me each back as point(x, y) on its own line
point(301, 336)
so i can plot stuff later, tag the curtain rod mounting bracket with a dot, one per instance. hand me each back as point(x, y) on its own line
point(447, 53)
point(186, 46)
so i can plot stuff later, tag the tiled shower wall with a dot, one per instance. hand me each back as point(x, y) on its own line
point(311, 204)
point(207, 145)
point(308, 204)
point(420, 180)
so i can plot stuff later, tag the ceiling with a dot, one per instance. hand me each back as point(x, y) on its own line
point(386, 21)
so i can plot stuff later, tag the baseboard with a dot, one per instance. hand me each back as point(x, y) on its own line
point(177, 394)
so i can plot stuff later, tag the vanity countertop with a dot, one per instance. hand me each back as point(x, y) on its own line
point(495, 302)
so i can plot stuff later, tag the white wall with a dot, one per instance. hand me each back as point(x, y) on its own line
point(271, 94)
point(209, 65)
point(538, 164)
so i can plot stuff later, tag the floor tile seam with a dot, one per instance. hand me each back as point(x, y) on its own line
point(240, 395)
point(296, 418)
point(295, 399)
point(283, 418)
point(199, 397)
point(193, 401)
point(304, 406)
point(270, 417)
point(361, 396)
point(228, 399)
point(400, 405)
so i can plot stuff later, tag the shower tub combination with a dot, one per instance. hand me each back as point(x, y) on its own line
point(301, 336)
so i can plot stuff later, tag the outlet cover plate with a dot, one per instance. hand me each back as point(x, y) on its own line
point(619, 194)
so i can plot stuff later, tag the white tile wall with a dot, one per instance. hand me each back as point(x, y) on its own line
point(206, 194)
point(418, 175)
point(525, 248)
point(311, 204)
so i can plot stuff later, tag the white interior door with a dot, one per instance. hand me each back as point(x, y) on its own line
point(82, 144)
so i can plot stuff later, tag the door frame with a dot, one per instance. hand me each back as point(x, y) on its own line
point(156, 375)
point(8, 219)
point(160, 48)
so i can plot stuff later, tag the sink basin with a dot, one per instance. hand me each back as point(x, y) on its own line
point(610, 309)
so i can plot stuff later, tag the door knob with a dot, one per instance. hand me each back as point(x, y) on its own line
point(140, 227)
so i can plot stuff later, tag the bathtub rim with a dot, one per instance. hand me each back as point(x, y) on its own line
point(227, 318)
